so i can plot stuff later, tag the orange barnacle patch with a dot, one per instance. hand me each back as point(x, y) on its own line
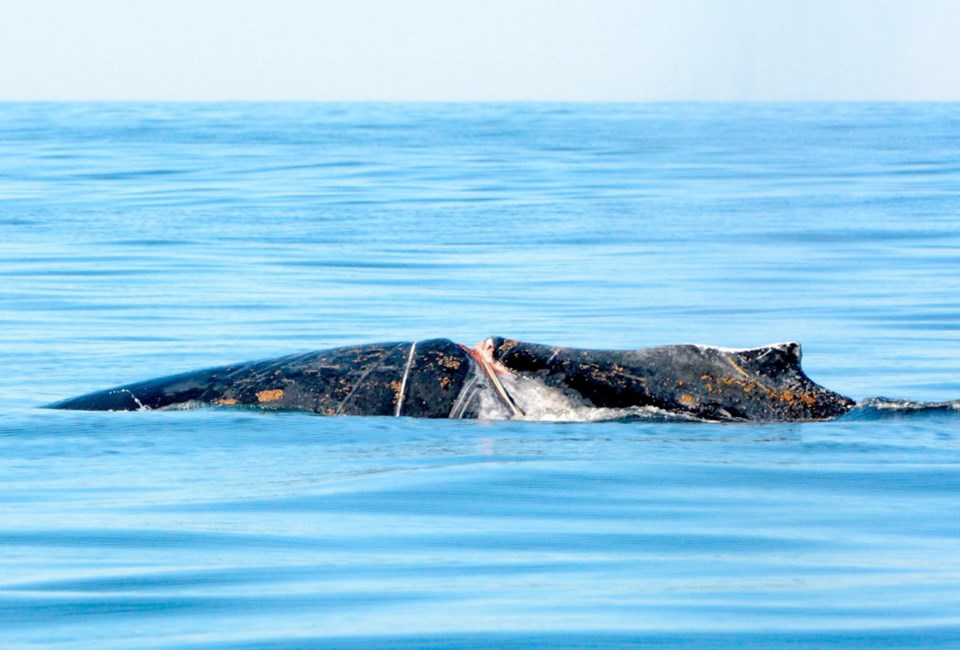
point(396, 387)
point(746, 386)
point(451, 363)
point(225, 401)
point(445, 383)
point(271, 395)
point(736, 367)
point(686, 399)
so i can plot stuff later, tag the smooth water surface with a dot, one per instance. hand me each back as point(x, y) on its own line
point(145, 239)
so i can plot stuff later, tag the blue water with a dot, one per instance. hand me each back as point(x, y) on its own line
point(146, 239)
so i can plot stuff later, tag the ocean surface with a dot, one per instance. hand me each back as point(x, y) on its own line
point(138, 240)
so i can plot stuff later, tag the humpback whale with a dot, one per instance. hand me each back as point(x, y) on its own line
point(500, 379)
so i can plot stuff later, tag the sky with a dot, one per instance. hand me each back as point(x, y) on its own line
point(480, 50)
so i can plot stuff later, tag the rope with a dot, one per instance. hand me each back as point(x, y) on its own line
point(491, 374)
point(403, 382)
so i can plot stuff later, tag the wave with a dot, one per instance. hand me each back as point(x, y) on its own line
point(885, 407)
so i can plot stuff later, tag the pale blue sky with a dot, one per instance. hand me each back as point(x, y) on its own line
point(577, 50)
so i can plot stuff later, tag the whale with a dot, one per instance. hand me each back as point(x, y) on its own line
point(500, 378)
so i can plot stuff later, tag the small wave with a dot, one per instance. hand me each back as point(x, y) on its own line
point(886, 407)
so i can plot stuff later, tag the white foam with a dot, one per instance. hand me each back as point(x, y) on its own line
point(905, 405)
point(540, 402)
point(783, 345)
point(184, 406)
point(140, 405)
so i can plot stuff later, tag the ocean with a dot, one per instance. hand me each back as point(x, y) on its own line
point(140, 240)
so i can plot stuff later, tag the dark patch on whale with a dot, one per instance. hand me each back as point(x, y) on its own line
point(759, 384)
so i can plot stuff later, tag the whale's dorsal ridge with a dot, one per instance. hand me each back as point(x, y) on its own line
point(437, 378)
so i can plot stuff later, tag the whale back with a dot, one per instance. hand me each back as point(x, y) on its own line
point(438, 378)
point(421, 379)
point(758, 384)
